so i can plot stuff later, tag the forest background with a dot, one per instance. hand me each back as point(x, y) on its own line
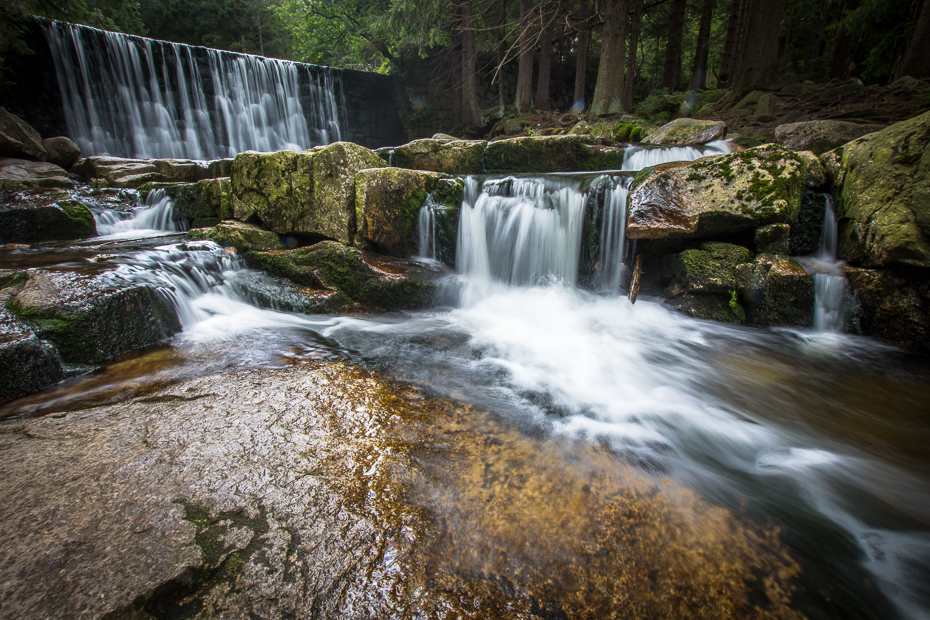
point(642, 49)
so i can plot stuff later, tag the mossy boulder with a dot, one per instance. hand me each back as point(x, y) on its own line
point(710, 306)
point(776, 290)
point(816, 174)
point(19, 174)
point(717, 195)
point(38, 217)
point(89, 318)
point(884, 205)
point(244, 237)
point(820, 136)
point(449, 156)
point(202, 204)
point(363, 280)
point(893, 304)
point(308, 193)
point(682, 131)
point(550, 154)
point(388, 203)
point(708, 269)
point(773, 239)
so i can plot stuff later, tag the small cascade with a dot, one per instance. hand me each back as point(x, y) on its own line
point(639, 157)
point(427, 229)
point(155, 214)
point(612, 239)
point(829, 282)
point(131, 96)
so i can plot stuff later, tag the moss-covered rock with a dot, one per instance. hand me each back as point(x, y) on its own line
point(27, 364)
point(773, 239)
point(88, 318)
point(362, 279)
point(309, 193)
point(807, 230)
point(202, 204)
point(449, 156)
point(820, 136)
point(776, 290)
point(682, 131)
point(884, 205)
point(34, 218)
point(816, 174)
point(893, 304)
point(388, 202)
point(717, 195)
point(550, 154)
point(710, 269)
point(244, 237)
point(710, 306)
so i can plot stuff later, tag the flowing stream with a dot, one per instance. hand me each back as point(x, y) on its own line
point(822, 434)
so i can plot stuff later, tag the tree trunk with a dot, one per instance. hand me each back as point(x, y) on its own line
point(759, 58)
point(635, 19)
point(728, 60)
point(524, 98)
point(501, 55)
point(608, 92)
point(581, 61)
point(545, 61)
point(457, 117)
point(839, 54)
point(676, 24)
point(702, 47)
point(916, 62)
point(471, 108)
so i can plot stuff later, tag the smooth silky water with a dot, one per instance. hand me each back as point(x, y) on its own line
point(815, 432)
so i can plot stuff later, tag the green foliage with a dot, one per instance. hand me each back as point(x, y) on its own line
point(660, 106)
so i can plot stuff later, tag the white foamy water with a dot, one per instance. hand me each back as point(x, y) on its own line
point(155, 215)
point(830, 289)
point(639, 157)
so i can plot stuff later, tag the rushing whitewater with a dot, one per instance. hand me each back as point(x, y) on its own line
point(129, 96)
point(154, 215)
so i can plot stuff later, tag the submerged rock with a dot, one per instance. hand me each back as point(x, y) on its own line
point(709, 306)
point(359, 277)
point(27, 364)
point(884, 205)
point(820, 136)
point(441, 155)
point(717, 195)
point(34, 217)
point(308, 193)
point(684, 131)
point(92, 318)
point(388, 202)
point(23, 174)
point(62, 151)
point(776, 290)
point(239, 235)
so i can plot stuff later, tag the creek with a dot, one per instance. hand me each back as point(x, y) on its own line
point(817, 432)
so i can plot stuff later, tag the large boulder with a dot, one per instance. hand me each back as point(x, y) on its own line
point(363, 280)
point(893, 304)
point(449, 156)
point(106, 171)
point(24, 174)
point(19, 139)
point(776, 290)
point(37, 217)
point(244, 237)
point(709, 269)
point(820, 136)
point(89, 318)
point(388, 203)
point(308, 193)
point(717, 195)
point(884, 205)
point(62, 151)
point(550, 154)
point(202, 204)
point(682, 131)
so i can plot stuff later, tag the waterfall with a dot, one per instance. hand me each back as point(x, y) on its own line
point(155, 214)
point(829, 282)
point(130, 96)
point(639, 157)
point(427, 223)
point(612, 239)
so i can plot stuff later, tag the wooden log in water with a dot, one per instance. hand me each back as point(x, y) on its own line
point(637, 274)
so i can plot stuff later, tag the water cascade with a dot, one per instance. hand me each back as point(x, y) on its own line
point(428, 235)
point(155, 214)
point(829, 281)
point(130, 96)
point(639, 157)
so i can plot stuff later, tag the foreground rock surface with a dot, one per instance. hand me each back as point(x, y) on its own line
point(684, 131)
point(322, 491)
point(32, 217)
point(27, 364)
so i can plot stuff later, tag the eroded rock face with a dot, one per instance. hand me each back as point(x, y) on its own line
point(23, 174)
point(776, 290)
point(884, 205)
point(683, 131)
point(323, 491)
point(310, 193)
point(19, 139)
point(717, 195)
point(362, 280)
point(388, 202)
point(62, 151)
point(90, 318)
point(441, 155)
point(820, 136)
point(32, 217)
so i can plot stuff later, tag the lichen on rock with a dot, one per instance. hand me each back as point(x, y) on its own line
point(683, 131)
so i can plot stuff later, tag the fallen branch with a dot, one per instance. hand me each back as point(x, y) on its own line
point(637, 274)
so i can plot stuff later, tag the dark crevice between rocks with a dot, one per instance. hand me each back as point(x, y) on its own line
point(183, 596)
